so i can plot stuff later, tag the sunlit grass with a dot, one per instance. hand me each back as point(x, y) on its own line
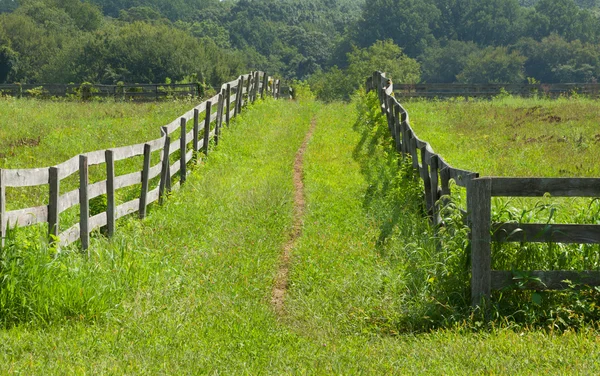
point(192, 282)
point(513, 136)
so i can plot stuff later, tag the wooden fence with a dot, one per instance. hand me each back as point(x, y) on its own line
point(436, 175)
point(178, 142)
point(491, 90)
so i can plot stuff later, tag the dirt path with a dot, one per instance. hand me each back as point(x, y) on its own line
point(281, 282)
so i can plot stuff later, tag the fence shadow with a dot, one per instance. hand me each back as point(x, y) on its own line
point(388, 195)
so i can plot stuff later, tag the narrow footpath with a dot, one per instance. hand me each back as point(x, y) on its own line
point(281, 282)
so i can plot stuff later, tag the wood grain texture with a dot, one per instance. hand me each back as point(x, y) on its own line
point(461, 177)
point(182, 151)
point(68, 167)
point(68, 200)
point(227, 103)
point(27, 217)
point(29, 177)
point(164, 174)
point(546, 233)
point(70, 235)
point(206, 130)
point(195, 130)
point(129, 207)
point(153, 195)
point(189, 156)
point(174, 146)
point(174, 169)
point(426, 178)
point(97, 221)
point(95, 157)
point(127, 180)
point(480, 209)
point(53, 203)
point(537, 187)
point(156, 144)
point(433, 169)
point(154, 171)
point(84, 204)
point(145, 182)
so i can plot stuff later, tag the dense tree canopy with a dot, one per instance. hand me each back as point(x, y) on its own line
point(331, 43)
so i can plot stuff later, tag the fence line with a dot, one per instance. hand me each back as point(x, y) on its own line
point(88, 91)
point(436, 175)
point(176, 139)
point(491, 90)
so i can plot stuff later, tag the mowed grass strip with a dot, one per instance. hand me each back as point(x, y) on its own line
point(353, 272)
point(204, 266)
point(513, 136)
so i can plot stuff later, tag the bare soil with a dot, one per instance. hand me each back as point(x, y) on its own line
point(281, 281)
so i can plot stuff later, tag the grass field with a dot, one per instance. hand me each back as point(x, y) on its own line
point(37, 133)
point(513, 136)
point(187, 291)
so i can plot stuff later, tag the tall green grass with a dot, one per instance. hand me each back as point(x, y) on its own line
point(525, 137)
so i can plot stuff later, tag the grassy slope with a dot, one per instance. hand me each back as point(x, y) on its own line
point(513, 136)
point(204, 268)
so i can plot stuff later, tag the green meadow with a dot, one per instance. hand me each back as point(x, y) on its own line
point(187, 290)
point(513, 136)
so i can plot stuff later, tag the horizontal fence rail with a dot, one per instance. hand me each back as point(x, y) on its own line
point(436, 174)
point(177, 146)
point(491, 90)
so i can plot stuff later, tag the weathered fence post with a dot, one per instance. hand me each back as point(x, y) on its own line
point(263, 90)
point(238, 97)
point(84, 205)
point(413, 151)
point(479, 208)
point(182, 151)
point(145, 180)
point(227, 104)
point(426, 180)
point(397, 132)
point(109, 158)
point(445, 183)
point(165, 173)
point(221, 108)
point(217, 126)
point(196, 133)
point(433, 170)
point(405, 135)
point(389, 111)
point(256, 86)
point(207, 127)
point(249, 89)
point(54, 194)
point(445, 187)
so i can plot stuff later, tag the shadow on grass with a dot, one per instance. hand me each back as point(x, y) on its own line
point(392, 189)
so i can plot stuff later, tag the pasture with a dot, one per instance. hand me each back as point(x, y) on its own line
point(187, 290)
point(513, 136)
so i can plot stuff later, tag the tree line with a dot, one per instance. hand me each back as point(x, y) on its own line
point(333, 44)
